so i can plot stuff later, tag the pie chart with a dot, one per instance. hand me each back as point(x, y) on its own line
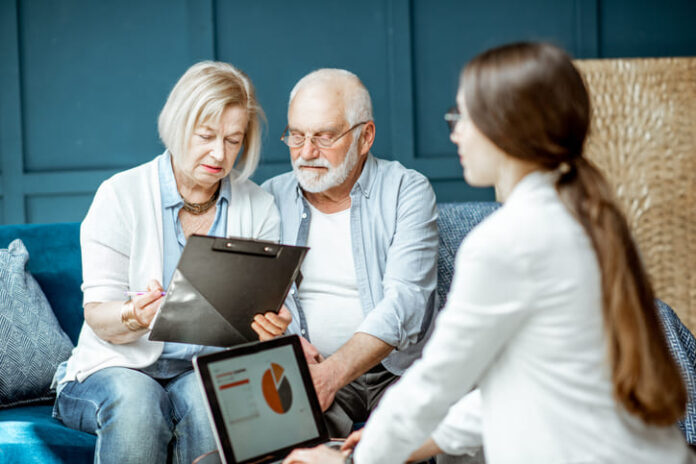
point(276, 389)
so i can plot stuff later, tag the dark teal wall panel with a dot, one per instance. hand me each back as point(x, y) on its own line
point(277, 42)
point(633, 28)
point(446, 34)
point(82, 82)
point(94, 78)
point(57, 208)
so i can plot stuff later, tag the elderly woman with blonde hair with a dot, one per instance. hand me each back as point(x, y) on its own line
point(140, 396)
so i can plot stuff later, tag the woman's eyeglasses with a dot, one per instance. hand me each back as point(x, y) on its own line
point(452, 117)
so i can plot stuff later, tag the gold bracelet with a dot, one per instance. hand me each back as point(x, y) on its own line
point(128, 317)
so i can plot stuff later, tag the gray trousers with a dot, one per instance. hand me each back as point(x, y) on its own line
point(354, 402)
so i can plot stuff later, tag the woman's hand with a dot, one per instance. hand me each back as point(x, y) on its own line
point(271, 325)
point(352, 440)
point(146, 306)
point(108, 319)
point(319, 455)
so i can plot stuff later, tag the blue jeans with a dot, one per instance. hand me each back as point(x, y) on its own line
point(135, 416)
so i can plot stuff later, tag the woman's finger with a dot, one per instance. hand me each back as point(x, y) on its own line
point(154, 286)
point(352, 440)
point(143, 300)
point(319, 455)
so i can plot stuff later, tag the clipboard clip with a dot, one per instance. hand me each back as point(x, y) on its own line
point(246, 247)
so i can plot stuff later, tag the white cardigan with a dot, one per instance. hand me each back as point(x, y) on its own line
point(121, 241)
point(523, 321)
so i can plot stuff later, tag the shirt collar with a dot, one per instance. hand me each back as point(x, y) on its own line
point(367, 176)
point(531, 182)
point(170, 193)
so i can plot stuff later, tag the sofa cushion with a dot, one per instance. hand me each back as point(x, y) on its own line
point(682, 344)
point(30, 435)
point(455, 221)
point(32, 344)
point(56, 265)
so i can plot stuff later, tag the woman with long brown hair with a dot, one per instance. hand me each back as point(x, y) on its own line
point(550, 313)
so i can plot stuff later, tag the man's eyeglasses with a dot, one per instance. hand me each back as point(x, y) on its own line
point(452, 116)
point(320, 141)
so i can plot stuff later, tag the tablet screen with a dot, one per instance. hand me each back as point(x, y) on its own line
point(261, 401)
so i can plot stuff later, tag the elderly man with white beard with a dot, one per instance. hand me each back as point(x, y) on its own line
point(367, 299)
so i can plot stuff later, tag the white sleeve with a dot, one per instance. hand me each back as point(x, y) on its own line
point(269, 228)
point(460, 432)
point(105, 247)
point(488, 302)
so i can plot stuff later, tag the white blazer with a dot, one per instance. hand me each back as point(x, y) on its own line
point(121, 241)
point(523, 322)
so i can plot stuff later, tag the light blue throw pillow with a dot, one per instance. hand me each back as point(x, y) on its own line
point(32, 343)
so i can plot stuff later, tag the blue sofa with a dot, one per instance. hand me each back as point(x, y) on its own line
point(28, 434)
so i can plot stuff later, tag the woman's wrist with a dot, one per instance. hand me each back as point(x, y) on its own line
point(129, 319)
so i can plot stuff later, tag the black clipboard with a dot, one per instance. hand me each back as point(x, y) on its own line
point(220, 284)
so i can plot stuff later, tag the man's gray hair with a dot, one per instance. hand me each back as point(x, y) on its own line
point(358, 104)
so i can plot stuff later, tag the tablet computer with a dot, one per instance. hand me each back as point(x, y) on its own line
point(261, 401)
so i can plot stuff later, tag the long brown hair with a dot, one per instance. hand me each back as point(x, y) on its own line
point(531, 102)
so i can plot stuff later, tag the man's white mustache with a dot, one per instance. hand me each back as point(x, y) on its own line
point(319, 162)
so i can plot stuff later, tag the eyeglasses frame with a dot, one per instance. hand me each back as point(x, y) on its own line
point(312, 139)
point(452, 118)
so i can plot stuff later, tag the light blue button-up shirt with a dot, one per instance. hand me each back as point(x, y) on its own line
point(176, 357)
point(393, 222)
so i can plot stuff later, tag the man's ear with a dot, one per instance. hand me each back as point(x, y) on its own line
point(367, 137)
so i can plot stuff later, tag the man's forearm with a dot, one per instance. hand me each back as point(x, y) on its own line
point(358, 355)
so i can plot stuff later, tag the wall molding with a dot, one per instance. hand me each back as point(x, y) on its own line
point(11, 137)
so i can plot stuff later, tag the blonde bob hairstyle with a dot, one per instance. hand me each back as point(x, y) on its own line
point(202, 94)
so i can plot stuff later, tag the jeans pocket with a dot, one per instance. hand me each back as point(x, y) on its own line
point(75, 412)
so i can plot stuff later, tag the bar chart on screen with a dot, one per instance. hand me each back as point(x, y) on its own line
point(235, 396)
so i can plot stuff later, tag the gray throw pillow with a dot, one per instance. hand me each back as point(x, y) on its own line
point(32, 343)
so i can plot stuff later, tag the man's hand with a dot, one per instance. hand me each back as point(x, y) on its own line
point(271, 325)
point(355, 357)
point(325, 380)
point(311, 353)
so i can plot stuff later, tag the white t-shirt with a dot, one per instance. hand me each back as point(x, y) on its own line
point(329, 290)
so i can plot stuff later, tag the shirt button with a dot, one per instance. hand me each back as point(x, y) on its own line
point(303, 331)
point(292, 292)
point(304, 215)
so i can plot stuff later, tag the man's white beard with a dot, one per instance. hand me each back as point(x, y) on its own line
point(315, 182)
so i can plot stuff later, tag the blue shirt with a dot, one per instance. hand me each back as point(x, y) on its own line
point(176, 357)
point(393, 222)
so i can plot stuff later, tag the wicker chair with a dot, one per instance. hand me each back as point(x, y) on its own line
point(643, 138)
